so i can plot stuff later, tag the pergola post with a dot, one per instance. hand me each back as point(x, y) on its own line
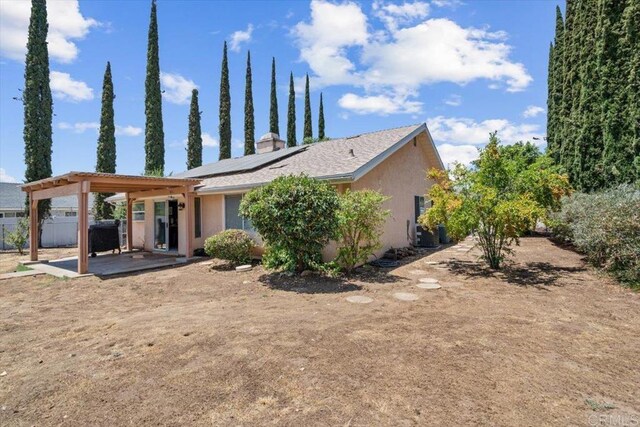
point(129, 223)
point(83, 227)
point(33, 228)
point(189, 212)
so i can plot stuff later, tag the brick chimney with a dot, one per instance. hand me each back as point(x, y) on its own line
point(269, 142)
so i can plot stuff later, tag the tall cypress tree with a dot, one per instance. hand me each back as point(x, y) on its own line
point(106, 151)
point(225, 108)
point(308, 130)
point(194, 139)
point(273, 110)
point(554, 81)
point(631, 136)
point(249, 124)
point(154, 132)
point(38, 105)
point(291, 115)
point(588, 165)
point(615, 62)
point(321, 120)
point(569, 82)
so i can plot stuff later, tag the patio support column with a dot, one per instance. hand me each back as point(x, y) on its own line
point(129, 223)
point(83, 227)
point(33, 228)
point(189, 212)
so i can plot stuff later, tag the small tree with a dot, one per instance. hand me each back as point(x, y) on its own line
point(308, 130)
point(499, 199)
point(360, 219)
point(296, 216)
point(18, 237)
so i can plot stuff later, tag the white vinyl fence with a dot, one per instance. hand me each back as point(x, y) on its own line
point(56, 232)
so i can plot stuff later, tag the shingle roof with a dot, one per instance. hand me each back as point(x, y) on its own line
point(13, 198)
point(343, 159)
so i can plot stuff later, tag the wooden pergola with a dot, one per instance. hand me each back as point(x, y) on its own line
point(83, 183)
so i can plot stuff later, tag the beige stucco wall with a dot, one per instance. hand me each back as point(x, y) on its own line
point(401, 177)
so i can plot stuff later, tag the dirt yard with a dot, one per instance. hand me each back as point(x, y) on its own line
point(546, 342)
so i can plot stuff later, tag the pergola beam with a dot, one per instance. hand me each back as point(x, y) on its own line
point(51, 192)
point(170, 191)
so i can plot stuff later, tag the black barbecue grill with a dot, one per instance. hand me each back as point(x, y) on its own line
point(104, 237)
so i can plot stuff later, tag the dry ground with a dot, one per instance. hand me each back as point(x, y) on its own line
point(9, 260)
point(547, 342)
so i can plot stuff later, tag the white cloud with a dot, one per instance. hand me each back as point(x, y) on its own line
point(239, 37)
point(464, 154)
point(177, 89)
point(378, 104)
point(532, 111)
point(65, 88)
point(453, 100)
point(128, 130)
point(79, 127)
point(324, 40)
point(5, 177)
point(82, 127)
point(393, 15)
point(465, 131)
point(341, 49)
point(66, 25)
point(208, 140)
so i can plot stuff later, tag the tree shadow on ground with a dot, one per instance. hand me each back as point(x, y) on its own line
point(540, 275)
point(321, 284)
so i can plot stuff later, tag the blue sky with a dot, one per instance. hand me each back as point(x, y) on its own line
point(464, 67)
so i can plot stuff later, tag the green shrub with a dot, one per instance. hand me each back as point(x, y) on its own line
point(606, 227)
point(296, 217)
point(19, 236)
point(230, 245)
point(360, 220)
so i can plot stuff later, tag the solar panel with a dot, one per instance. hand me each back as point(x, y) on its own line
point(240, 164)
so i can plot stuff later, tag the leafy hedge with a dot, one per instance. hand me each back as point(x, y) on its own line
point(606, 227)
point(230, 245)
point(296, 216)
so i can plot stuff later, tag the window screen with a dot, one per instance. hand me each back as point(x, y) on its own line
point(198, 214)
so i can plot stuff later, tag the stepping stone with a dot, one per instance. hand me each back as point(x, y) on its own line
point(432, 262)
point(246, 267)
point(359, 299)
point(428, 286)
point(405, 296)
point(417, 272)
point(428, 280)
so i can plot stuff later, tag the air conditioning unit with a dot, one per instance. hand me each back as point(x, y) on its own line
point(425, 238)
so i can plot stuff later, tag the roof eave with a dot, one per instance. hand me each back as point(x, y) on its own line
point(333, 179)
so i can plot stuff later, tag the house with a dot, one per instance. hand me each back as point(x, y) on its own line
point(392, 161)
point(176, 214)
point(12, 203)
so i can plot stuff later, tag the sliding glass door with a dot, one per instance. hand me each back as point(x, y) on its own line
point(160, 226)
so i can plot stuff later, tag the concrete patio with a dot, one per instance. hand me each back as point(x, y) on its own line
point(108, 264)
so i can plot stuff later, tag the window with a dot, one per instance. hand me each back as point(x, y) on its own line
point(1, 214)
point(20, 214)
point(70, 214)
point(421, 205)
point(232, 215)
point(10, 215)
point(137, 211)
point(198, 219)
